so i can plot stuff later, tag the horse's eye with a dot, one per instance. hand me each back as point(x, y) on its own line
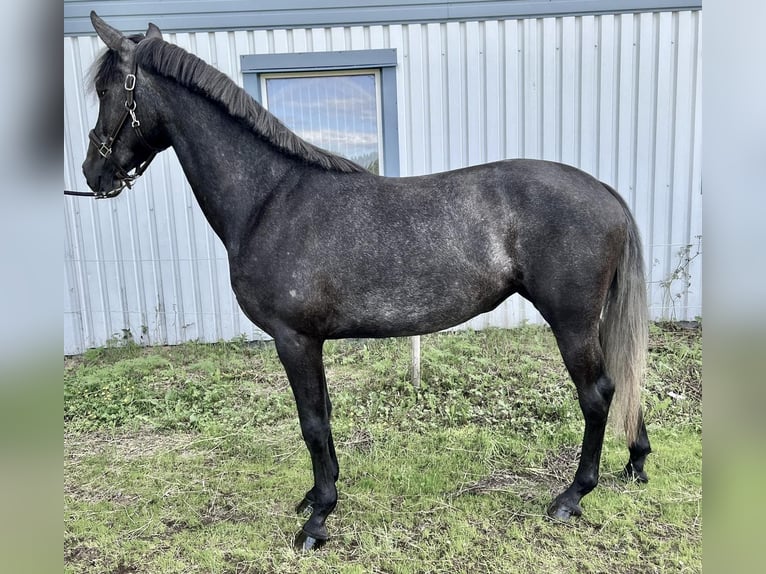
point(101, 93)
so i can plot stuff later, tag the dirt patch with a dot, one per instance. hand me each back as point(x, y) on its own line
point(83, 555)
point(223, 511)
point(557, 469)
point(91, 560)
point(560, 465)
point(361, 440)
point(215, 512)
point(499, 481)
point(123, 569)
point(94, 493)
point(128, 446)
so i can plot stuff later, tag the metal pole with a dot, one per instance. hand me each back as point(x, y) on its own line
point(415, 371)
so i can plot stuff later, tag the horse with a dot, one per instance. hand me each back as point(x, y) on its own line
point(320, 248)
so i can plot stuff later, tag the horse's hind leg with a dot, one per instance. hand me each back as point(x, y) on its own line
point(302, 359)
point(583, 357)
point(639, 450)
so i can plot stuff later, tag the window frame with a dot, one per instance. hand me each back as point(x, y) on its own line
point(374, 72)
point(257, 66)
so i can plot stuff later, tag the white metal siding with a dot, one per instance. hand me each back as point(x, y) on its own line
point(617, 95)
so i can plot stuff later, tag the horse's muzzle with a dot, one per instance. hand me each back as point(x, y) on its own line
point(99, 177)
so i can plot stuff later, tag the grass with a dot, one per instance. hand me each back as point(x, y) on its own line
point(189, 459)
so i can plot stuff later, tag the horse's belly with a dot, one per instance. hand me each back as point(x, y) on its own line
point(415, 308)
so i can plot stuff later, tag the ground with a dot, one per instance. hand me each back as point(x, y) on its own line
point(189, 459)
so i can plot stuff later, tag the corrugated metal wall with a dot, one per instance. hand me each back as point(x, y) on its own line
point(617, 95)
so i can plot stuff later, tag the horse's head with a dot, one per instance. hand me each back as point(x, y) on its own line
point(121, 138)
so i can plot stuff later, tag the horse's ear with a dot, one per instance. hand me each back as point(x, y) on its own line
point(111, 37)
point(153, 32)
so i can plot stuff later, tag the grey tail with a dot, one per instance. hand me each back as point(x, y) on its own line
point(625, 330)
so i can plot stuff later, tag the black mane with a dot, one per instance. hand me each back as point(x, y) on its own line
point(169, 60)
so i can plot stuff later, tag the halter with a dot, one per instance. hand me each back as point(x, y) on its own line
point(104, 147)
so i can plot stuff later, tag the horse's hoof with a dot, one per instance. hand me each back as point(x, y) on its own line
point(630, 473)
point(305, 542)
point(563, 512)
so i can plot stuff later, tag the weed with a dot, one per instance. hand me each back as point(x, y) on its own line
point(680, 274)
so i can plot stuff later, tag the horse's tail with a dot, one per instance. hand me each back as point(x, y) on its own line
point(624, 330)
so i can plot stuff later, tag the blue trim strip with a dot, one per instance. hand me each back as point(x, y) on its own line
point(205, 15)
point(390, 119)
point(342, 60)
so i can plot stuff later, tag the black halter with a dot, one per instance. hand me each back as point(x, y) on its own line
point(104, 147)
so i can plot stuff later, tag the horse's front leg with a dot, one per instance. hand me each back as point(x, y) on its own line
point(302, 359)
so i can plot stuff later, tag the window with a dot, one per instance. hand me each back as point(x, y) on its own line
point(344, 102)
point(338, 111)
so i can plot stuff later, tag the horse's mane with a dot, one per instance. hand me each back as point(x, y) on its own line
point(169, 60)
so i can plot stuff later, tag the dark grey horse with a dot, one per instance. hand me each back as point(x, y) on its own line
point(320, 249)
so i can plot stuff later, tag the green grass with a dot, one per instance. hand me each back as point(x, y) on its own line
point(189, 459)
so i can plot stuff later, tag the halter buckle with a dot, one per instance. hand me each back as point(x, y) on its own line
point(130, 82)
point(104, 150)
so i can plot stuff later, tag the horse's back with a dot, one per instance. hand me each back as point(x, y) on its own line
point(358, 254)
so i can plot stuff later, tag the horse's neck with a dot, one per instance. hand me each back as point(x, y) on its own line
point(230, 169)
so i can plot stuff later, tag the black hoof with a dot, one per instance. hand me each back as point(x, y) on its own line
point(562, 511)
point(305, 542)
point(631, 473)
